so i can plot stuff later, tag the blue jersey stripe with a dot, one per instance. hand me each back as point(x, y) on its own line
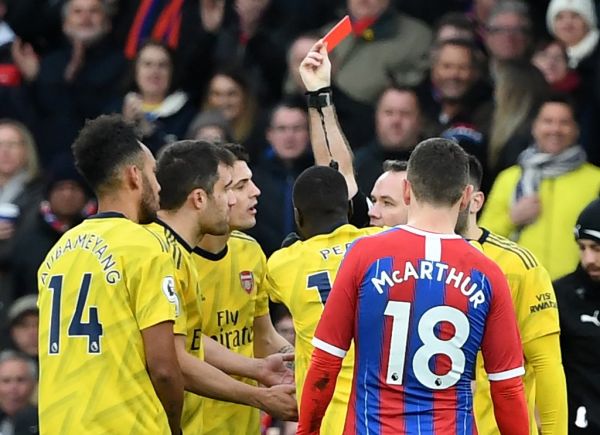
point(371, 321)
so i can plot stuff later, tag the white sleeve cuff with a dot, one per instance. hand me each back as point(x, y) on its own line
point(513, 373)
point(326, 347)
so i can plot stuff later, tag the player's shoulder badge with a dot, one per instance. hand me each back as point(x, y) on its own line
point(247, 280)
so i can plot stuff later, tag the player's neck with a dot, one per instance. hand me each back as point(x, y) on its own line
point(119, 203)
point(473, 232)
point(433, 220)
point(318, 228)
point(213, 244)
point(184, 225)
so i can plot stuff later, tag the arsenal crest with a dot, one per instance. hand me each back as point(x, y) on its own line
point(247, 280)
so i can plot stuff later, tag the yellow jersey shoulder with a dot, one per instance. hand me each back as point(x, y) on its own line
point(507, 253)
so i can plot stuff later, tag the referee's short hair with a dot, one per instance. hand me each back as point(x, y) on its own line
point(395, 165)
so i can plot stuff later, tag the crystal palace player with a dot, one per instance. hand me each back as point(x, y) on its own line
point(419, 302)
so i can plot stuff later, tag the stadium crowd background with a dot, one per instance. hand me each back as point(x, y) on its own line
point(475, 71)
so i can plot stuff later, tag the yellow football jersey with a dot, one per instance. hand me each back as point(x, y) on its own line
point(300, 276)
point(537, 315)
point(233, 292)
point(189, 322)
point(101, 284)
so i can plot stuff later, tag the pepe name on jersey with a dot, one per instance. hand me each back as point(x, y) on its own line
point(88, 242)
point(338, 250)
point(432, 271)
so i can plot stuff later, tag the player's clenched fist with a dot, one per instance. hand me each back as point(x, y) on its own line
point(315, 69)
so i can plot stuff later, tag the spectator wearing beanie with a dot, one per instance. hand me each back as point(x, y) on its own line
point(578, 296)
point(23, 325)
point(66, 203)
point(574, 23)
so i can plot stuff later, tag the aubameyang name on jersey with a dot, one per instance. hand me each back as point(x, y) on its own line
point(334, 250)
point(92, 243)
point(432, 271)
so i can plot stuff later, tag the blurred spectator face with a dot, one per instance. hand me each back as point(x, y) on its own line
point(226, 95)
point(242, 215)
point(453, 72)
point(288, 133)
point(24, 333)
point(397, 119)
point(251, 9)
point(13, 154)
point(452, 32)
point(16, 386)
point(589, 255)
point(211, 133)
point(388, 206)
point(297, 53)
point(285, 328)
point(367, 8)
point(153, 72)
point(507, 36)
point(67, 199)
point(570, 28)
point(554, 128)
point(85, 20)
point(552, 62)
point(482, 9)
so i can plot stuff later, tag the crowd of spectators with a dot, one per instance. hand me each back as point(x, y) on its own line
point(514, 83)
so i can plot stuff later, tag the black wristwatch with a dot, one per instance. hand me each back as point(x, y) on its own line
point(319, 98)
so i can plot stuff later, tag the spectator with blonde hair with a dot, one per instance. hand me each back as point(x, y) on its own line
point(520, 87)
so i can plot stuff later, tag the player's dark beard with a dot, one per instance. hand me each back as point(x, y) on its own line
point(148, 207)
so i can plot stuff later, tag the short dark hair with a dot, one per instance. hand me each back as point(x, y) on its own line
point(320, 192)
point(475, 172)
point(560, 98)
point(239, 151)
point(455, 19)
point(290, 102)
point(474, 51)
point(438, 171)
point(103, 145)
point(395, 165)
point(187, 165)
point(393, 87)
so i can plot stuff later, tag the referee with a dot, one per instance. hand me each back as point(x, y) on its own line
point(578, 296)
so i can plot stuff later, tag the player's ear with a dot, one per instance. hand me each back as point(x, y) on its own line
point(132, 177)
point(298, 217)
point(198, 198)
point(406, 192)
point(466, 197)
point(477, 202)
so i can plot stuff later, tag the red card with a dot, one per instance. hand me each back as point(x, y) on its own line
point(338, 33)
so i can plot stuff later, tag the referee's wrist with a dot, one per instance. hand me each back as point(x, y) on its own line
point(320, 98)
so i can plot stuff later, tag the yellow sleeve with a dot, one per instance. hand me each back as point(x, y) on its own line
point(272, 287)
point(543, 354)
point(154, 294)
point(262, 292)
point(496, 214)
point(536, 307)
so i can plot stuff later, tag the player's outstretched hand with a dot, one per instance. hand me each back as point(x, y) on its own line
point(275, 369)
point(280, 402)
point(315, 69)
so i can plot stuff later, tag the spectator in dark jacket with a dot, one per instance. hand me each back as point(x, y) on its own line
point(276, 171)
point(74, 82)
